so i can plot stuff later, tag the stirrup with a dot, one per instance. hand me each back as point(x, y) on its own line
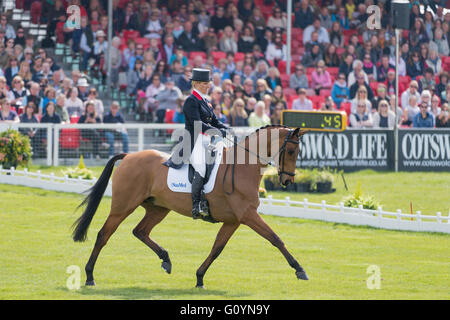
point(196, 211)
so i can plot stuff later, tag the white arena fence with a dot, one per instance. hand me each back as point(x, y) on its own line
point(62, 144)
point(268, 206)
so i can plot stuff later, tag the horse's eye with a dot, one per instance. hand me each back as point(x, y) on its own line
point(290, 152)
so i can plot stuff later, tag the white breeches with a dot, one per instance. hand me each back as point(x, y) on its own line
point(198, 156)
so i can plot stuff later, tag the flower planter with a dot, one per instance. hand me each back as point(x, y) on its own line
point(324, 187)
point(290, 188)
point(303, 187)
point(269, 185)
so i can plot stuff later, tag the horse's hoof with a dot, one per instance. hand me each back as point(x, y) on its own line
point(167, 266)
point(301, 275)
point(90, 283)
point(200, 287)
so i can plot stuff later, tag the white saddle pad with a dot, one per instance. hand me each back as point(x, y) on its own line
point(178, 180)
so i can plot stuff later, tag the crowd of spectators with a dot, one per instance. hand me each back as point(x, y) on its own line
point(338, 63)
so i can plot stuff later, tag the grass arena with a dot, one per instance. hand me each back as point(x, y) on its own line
point(39, 259)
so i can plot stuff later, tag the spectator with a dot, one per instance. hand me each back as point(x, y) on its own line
point(277, 20)
point(446, 94)
point(434, 62)
point(6, 114)
point(417, 35)
point(258, 118)
point(278, 97)
point(189, 39)
point(410, 110)
point(50, 116)
point(390, 82)
point(87, 43)
point(246, 40)
point(443, 119)
point(34, 97)
point(4, 92)
point(179, 55)
point(219, 21)
point(178, 117)
point(60, 108)
point(9, 29)
point(383, 69)
point(152, 90)
point(166, 99)
point(133, 77)
point(219, 115)
point(228, 42)
point(357, 70)
point(276, 50)
point(250, 105)
point(340, 92)
point(415, 66)
point(320, 78)
point(413, 90)
point(18, 91)
point(440, 43)
point(360, 82)
point(435, 109)
point(322, 33)
point(210, 40)
point(425, 96)
point(273, 78)
point(428, 81)
point(331, 57)
point(49, 96)
point(261, 89)
point(362, 118)
point(342, 18)
point(98, 104)
point(183, 83)
point(151, 28)
point(381, 95)
point(83, 89)
point(304, 15)
point(328, 105)
point(423, 119)
point(311, 58)
point(346, 66)
point(73, 104)
point(383, 118)
point(114, 116)
point(29, 117)
point(302, 103)
point(361, 97)
point(336, 36)
point(88, 117)
point(369, 68)
point(325, 18)
point(298, 79)
point(227, 101)
point(275, 119)
point(238, 116)
point(12, 70)
point(258, 21)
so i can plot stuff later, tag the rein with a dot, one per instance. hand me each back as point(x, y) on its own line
point(281, 157)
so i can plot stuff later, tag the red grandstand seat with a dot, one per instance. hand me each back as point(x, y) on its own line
point(333, 71)
point(309, 71)
point(282, 66)
point(239, 56)
point(69, 139)
point(74, 119)
point(347, 107)
point(192, 54)
point(316, 101)
point(35, 12)
point(130, 34)
point(169, 116)
point(374, 86)
point(325, 92)
point(289, 93)
point(19, 4)
point(218, 55)
point(284, 80)
point(144, 41)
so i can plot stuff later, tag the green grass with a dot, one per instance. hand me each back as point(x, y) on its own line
point(36, 249)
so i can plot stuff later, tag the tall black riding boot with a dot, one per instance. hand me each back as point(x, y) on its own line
point(197, 186)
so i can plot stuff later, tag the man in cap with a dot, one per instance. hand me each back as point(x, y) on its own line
point(199, 114)
point(83, 91)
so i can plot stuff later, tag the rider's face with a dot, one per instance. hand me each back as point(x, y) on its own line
point(203, 87)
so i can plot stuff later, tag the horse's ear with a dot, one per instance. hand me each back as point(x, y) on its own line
point(299, 132)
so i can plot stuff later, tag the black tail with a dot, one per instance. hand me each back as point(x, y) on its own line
point(93, 200)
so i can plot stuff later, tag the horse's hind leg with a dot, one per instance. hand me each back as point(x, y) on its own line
point(153, 216)
point(103, 236)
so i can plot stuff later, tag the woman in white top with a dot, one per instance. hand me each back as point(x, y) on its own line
point(361, 96)
point(362, 118)
point(73, 104)
point(410, 111)
point(384, 118)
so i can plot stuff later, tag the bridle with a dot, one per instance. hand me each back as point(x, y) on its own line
point(281, 156)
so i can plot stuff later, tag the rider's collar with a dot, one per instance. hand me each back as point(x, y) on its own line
point(198, 95)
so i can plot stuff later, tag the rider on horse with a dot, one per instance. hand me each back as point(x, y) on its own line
point(197, 109)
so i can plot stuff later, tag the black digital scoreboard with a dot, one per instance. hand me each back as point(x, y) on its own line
point(315, 120)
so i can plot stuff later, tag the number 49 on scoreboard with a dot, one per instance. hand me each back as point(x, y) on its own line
point(315, 120)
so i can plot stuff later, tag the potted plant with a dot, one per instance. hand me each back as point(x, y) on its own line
point(79, 171)
point(357, 199)
point(324, 181)
point(15, 149)
point(303, 180)
point(262, 192)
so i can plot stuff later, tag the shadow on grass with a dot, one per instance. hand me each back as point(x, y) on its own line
point(134, 293)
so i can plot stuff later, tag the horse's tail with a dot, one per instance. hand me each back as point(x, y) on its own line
point(93, 200)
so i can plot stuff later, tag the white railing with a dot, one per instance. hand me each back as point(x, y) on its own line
point(269, 206)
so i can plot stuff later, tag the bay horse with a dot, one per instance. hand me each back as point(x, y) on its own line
point(141, 180)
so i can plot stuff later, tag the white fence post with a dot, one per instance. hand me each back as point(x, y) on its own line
point(49, 145)
point(140, 139)
point(438, 217)
point(56, 145)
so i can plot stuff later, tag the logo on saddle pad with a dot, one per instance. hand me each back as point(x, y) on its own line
point(179, 185)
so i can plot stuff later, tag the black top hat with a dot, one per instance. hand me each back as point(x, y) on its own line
point(201, 75)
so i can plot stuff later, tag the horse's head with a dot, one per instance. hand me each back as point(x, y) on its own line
point(288, 154)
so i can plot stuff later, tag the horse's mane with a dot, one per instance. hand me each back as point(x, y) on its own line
point(270, 126)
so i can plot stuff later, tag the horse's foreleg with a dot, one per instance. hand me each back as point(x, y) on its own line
point(225, 233)
point(255, 222)
point(153, 216)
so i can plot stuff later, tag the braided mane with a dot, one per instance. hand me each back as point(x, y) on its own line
point(268, 127)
